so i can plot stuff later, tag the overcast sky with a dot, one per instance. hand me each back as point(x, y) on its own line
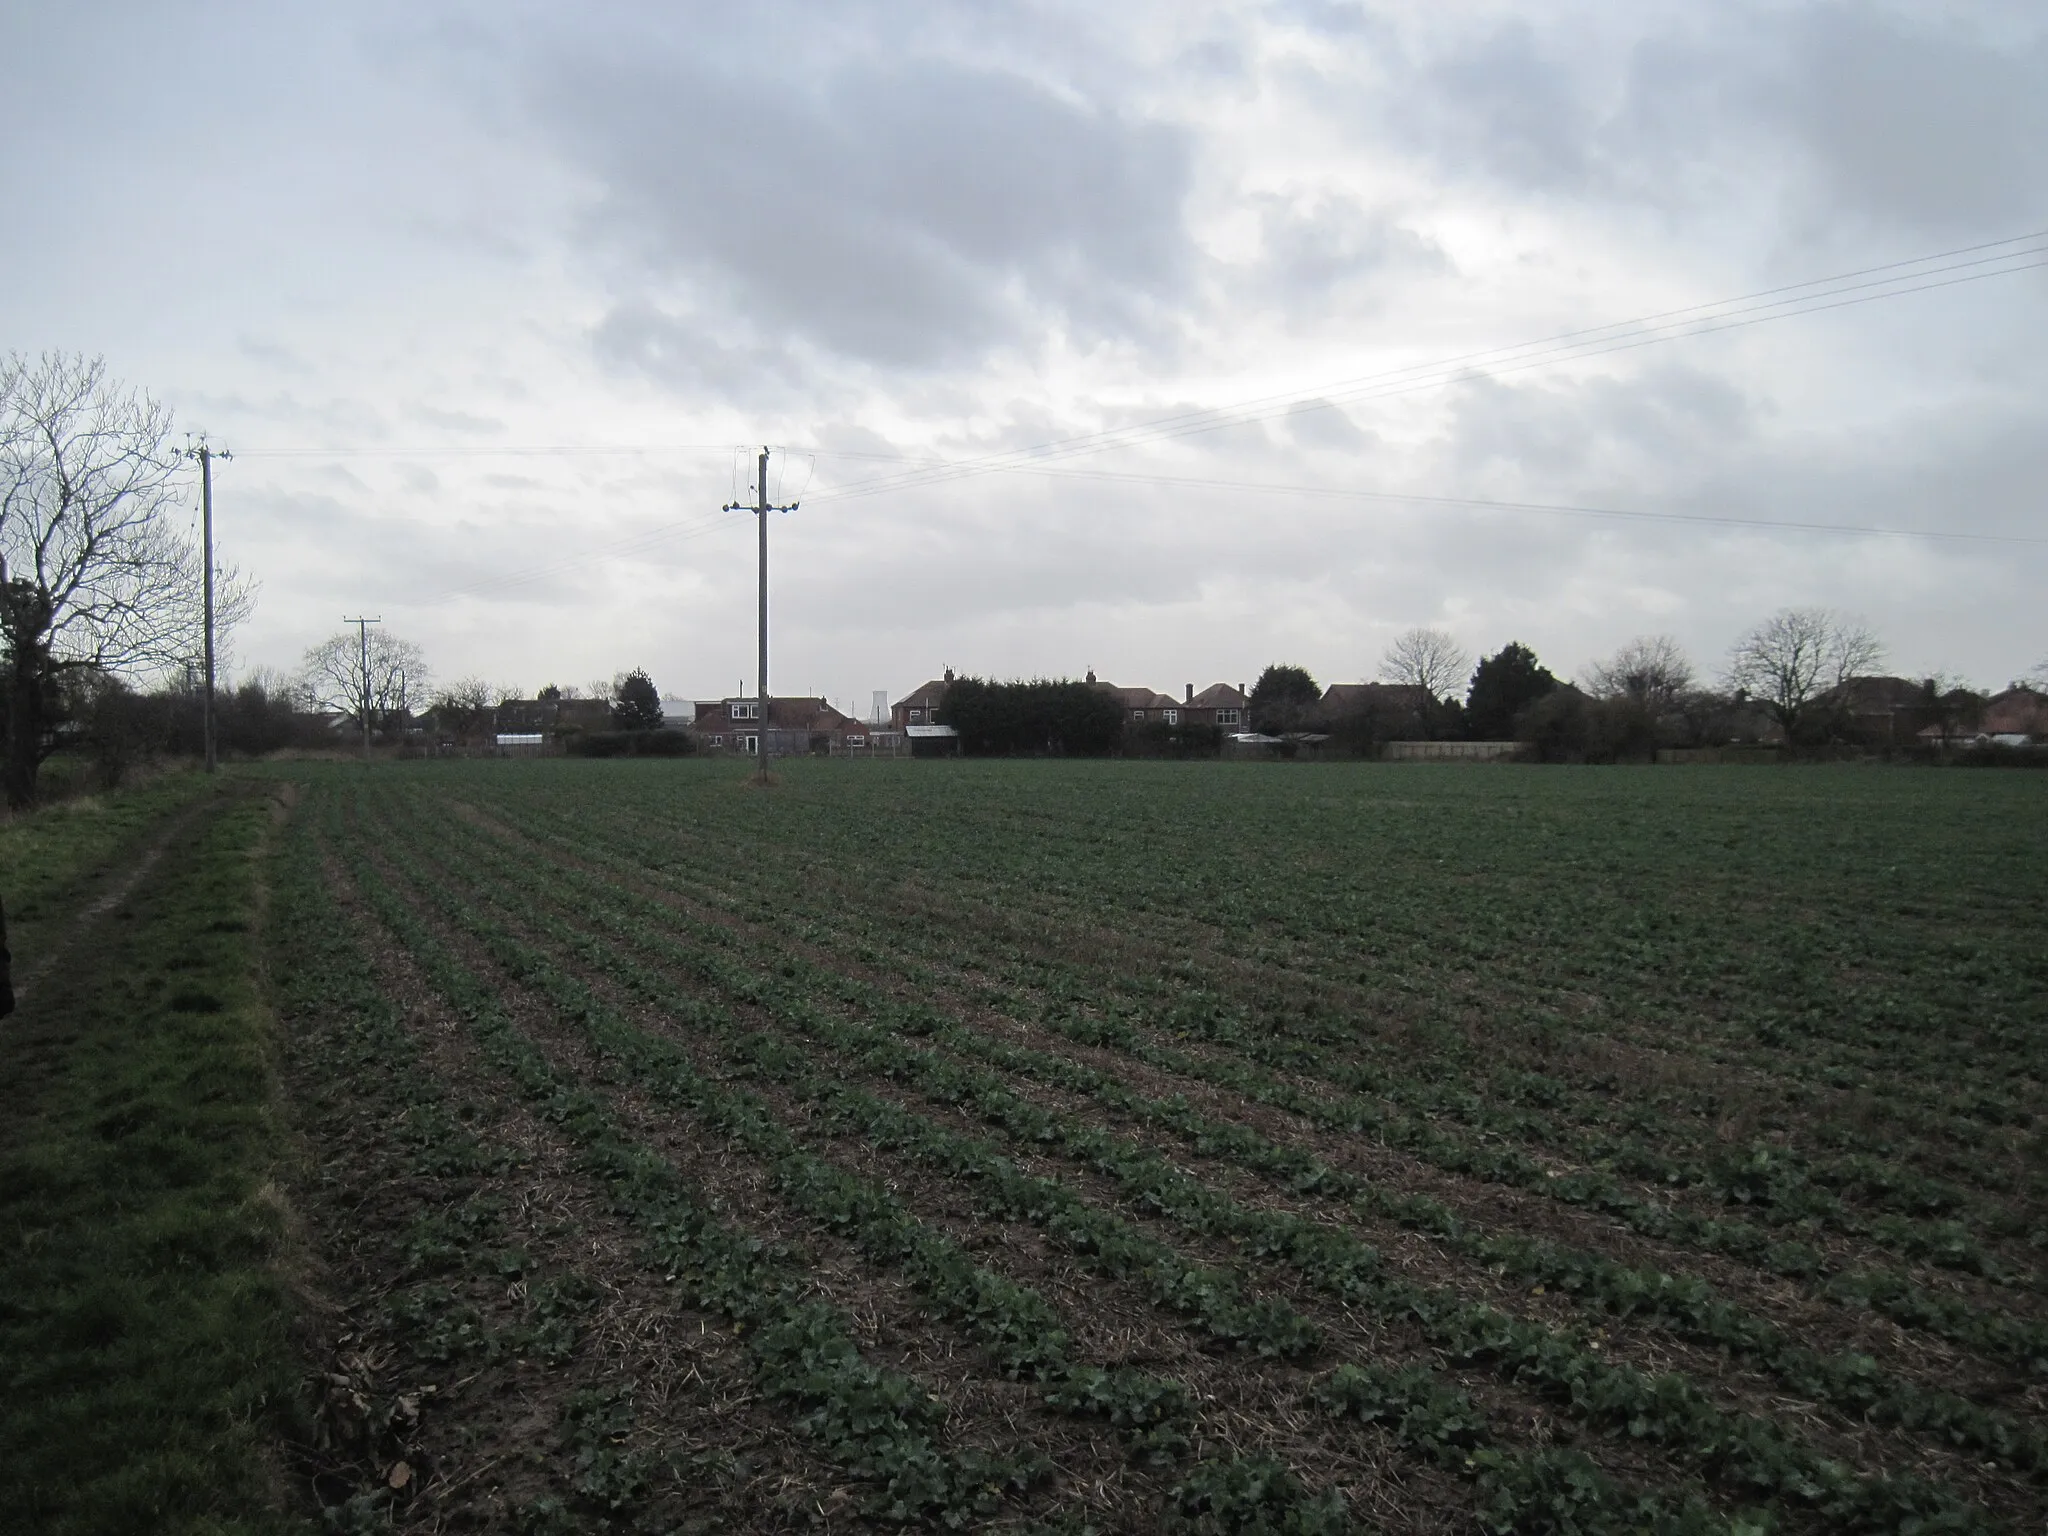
point(400, 258)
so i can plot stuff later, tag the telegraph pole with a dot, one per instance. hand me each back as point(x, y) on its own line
point(761, 509)
point(363, 630)
point(206, 455)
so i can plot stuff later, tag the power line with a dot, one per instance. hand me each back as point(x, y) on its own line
point(1586, 341)
point(1593, 342)
point(1478, 503)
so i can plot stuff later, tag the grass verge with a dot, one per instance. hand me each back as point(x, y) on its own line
point(145, 1361)
point(46, 853)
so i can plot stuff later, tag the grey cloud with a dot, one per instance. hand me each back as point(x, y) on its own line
point(456, 421)
point(280, 357)
point(1510, 101)
point(1316, 251)
point(687, 353)
point(910, 214)
point(1654, 425)
point(1918, 123)
point(1320, 424)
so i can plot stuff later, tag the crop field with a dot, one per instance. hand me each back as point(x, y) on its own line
point(1128, 1146)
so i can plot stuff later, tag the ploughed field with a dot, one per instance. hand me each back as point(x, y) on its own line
point(1137, 1146)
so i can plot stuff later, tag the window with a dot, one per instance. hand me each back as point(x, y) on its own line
point(1137, 714)
point(718, 741)
point(746, 709)
point(1170, 716)
point(753, 745)
point(1228, 716)
point(917, 717)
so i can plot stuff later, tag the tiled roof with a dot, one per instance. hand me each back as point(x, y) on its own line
point(1348, 698)
point(2015, 712)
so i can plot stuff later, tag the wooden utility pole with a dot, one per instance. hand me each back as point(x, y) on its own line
point(761, 509)
point(363, 630)
point(205, 454)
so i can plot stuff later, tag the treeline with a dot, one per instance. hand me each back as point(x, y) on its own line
point(105, 729)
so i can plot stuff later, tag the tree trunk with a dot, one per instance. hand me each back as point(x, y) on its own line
point(24, 623)
point(24, 728)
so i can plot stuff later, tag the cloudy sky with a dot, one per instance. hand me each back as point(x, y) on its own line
point(494, 303)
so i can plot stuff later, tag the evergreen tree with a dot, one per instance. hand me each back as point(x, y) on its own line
point(1503, 685)
point(1282, 698)
point(636, 703)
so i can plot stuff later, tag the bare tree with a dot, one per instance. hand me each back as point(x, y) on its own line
point(96, 573)
point(397, 678)
point(1651, 670)
point(1427, 658)
point(1799, 655)
point(465, 707)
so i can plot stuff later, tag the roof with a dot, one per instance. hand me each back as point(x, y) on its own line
point(2014, 711)
point(1139, 698)
point(1219, 696)
point(928, 696)
point(1878, 695)
point(804, 713)
point(1356, 698)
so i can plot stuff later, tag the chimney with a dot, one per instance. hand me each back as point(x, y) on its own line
point(1091, 674)
point(949, 674)
point(1191, 693)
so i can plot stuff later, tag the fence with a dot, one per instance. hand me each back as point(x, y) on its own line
point(1450, 751)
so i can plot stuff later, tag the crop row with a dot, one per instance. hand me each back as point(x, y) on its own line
point(1995, 1334)
point(1747, 1453)
point(365, 1067)
point(1527, 1487)
point(973, 900)
point(1021, 1332)
point(878, 1425)
point(1784, 1187)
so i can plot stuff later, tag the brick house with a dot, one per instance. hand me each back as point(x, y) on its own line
point(920, 707)
point(1220, 704)
point(795, 727)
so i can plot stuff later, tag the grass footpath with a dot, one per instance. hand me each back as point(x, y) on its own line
point(146, 1368)
point(47, 854)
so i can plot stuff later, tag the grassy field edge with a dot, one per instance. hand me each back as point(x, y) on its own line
point(146, 1366)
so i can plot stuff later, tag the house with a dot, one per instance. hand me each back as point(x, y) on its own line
point(1221, 705)
point(1143, 704)
point(1878, 711)
point(2018, 717)
point(795, 727)
point(1378, 711)
point(921, 706)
